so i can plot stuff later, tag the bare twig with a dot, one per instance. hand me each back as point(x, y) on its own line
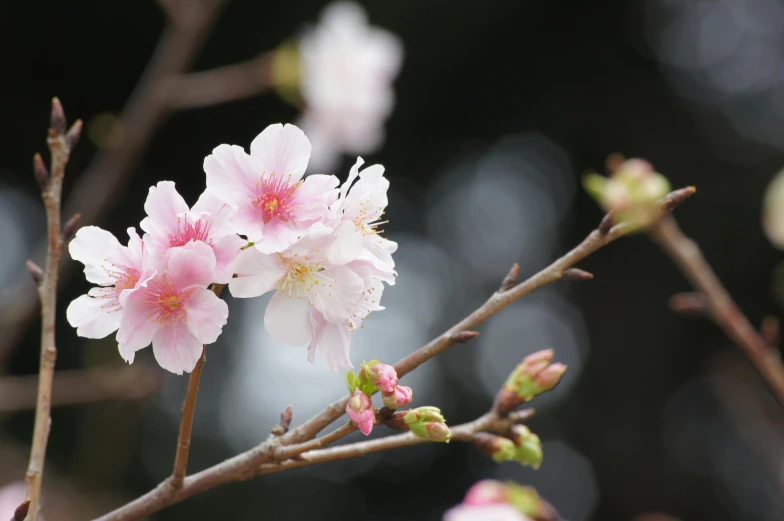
point(720, 306)
point(47, 292)
point(223, 84)
point(81, 386)
point(97, 190)
point(260, 459)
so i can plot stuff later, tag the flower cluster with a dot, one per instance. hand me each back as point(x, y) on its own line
point(258, 227)
point(374, 376)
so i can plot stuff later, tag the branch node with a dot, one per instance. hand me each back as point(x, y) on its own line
point(40, 172)
point(35, 271)
point(577, 274)
point(464, 336)
point(57, 122)
point(70, 227)
point(285, 422)
point(511, 278)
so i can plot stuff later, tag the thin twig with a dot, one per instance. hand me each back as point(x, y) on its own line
point(188, 409)
point(248, 464)
point(80, 386)
point(222, 84)
point(98, 189)
point(719, 305)
point(292, 451)
point(60, 150)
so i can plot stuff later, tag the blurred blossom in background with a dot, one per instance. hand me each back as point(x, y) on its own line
point(485, 129)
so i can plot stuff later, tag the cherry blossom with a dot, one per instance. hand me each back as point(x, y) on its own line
point(174, 311)
point(347, 72)
point(312, 272)
point(360, 411)
point(170, 224)
point(489, 512)
point(116, 269)
point(274, 205)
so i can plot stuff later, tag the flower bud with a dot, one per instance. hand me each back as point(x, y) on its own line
point(383, 376)
point(528, 446)
point(428, 423)
point(399, 397)
point(498, 448)
point(360, 411)
point(527, 501)
point(486, 492)
point(424, 414)
point(531, 378)
point(437, 432)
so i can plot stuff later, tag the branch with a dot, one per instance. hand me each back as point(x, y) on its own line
point(100, 186)
point(223, 84)
point(60, 143)
point(81, 386)
point(719, 306)
point(248, 464)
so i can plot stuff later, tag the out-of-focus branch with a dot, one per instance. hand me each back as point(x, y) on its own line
point(60, 144)
point(223, 84)
point(250, 463)
point(719, 306)
point(98, 188)
point(81, 386)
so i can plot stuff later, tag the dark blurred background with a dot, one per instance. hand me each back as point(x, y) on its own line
point(501, 106)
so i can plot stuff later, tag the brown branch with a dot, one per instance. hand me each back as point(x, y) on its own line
point(81, 386)
point(222, 84)
point(292, 451)
point(248, 464)
point(60, 150)
point(719, 305)
point(99, 188)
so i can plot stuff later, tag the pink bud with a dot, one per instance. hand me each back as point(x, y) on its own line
point(486, 492)
point(384, 377)
point(360, 411)
point(399, 397)
point(550, 376)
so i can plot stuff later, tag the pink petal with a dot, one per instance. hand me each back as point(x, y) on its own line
point(287, 320)
point(257, 273)
point(314, 196)
point(136, 329)
point(284, 150)
point(334, 346)
point(163, 204)
point(226, 250)
point(339, 294)
point(493, 512)
point(346, 244)
point(317, 322)
point(176, 349)
point(231, 175)
point(91, 246)
point(278, 235)
point(207, 314)
point(220, 214)
point(248, 221)
point(91, 318)
point(192, 265)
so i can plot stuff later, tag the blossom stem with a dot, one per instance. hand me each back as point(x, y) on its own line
point(60, 150)
point(223, 84)
point(188, 410)
point(719, 306)
point(259, 459)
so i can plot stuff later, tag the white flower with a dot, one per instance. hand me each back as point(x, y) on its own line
point(347, 72)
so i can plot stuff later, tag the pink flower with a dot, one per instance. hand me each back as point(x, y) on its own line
point(170, 223)
point(174, 311)
point(116, 269)
point(486, 492)
point(312, 272)
point(360, 411)
point(384, 377)
point(275, 207)
point(347, 72)
point(399, 397)
point(364, 204)
point(490, 512)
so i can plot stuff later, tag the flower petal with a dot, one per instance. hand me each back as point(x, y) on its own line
point(257, 273)
point(231, 175)
point(346, 244)
point(207, 314)
point(334, 347)
point(287, 320)
point(163, 204)
point(278, 236)
point(136, 328)
point(192, 265)
point(337, 294)
point(284, 150)
point(91, 246)
point(314, 197)
point(92, 318)
point(220, 214)
point(176, 349)
point(226, 250)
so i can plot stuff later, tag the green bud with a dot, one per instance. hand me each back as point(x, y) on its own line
point(424, 414)
point(528, 446)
